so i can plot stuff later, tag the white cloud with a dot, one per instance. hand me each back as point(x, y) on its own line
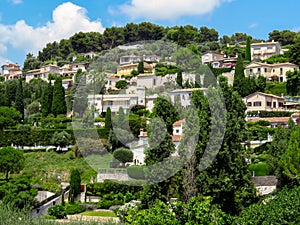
point(253, 25)
point(169, 9)
point(68, 19)
point(16, 1)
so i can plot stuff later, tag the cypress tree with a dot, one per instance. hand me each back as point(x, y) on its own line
point(141, 67)
point(179, 79)
point(75, 182)
point(46, 101)
point(239, 77)
point(248, 49)
point(108, 123)
point(19, 105)
point(59, 105)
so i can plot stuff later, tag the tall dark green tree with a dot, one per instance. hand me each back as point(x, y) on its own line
point(161, 147)
point(108, 122)
point(46, 101)
point(19, 104)
point(141, 67)
point(75, 182)
point(59, 105)
point(227, 179)
point(239, 77)
point(248, 49)
point(179, 78)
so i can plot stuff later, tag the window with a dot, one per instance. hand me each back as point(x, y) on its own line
point(274, 104)
point(281, 71)
point(280, 104)
point(177, 131)
point(110, 103)
point(258, 70)
point(154, 82)
point(251, 71)
point(249, 103)
point(269, 104)
point(257, 103)
point(265, 70)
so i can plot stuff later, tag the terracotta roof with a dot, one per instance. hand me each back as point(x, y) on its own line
point(176, 138)
point(265, 181)
point(264, 43)
point(179, 122)
point(271, 119)
point(265, 94)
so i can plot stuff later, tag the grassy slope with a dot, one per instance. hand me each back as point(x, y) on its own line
point(41, 163)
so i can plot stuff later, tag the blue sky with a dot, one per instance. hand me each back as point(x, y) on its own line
point(27, 25)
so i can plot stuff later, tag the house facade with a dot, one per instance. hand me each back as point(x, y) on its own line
point(273, 72)
point(11, 71)
point(264, 50)
point(259, 101)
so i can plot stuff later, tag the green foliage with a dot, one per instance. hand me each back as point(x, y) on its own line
point(136, 172)
point(265, 114)
point(18, 193)
point(165, 110)
point(121, 84)
point(239, 77)
point(293, 83)
point(59, 105)
point(290, 160)
point(260, 169)
point(199, 210)
point(248, 49)
point(11, 161)
point(141, 67)
point(179, 78)
point(61, 139)
point(75, 185)
point(108, 122)
point(280, 209)
point(71, 209)
point(58, 211)
point(123, 155)
point(9, 117)
point(284, 37)
point(19, 104)
point(106, 187)
point(162, 70)
point(46, 101)
point(277, 59)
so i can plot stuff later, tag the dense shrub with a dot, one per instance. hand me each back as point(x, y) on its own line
point(58, 211)
point(264, 114)
point(136, 172)
point(123, 155)
point(106, 204)
point(74, 209)
point(100, 189)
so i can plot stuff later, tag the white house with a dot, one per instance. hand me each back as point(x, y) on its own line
point(264, 50)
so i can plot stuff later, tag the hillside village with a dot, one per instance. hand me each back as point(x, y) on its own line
point(57, 107)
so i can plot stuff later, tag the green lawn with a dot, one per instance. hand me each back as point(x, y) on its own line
point(99, 213)
point(46, 165)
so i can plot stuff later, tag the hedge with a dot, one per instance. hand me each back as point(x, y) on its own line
point(106, 187)
point(43, 136)
point(264, 114)
point(136, 172)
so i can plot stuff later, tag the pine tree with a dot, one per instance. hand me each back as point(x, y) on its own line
point(59, 105)
point(19, 105)
point(248, 49)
